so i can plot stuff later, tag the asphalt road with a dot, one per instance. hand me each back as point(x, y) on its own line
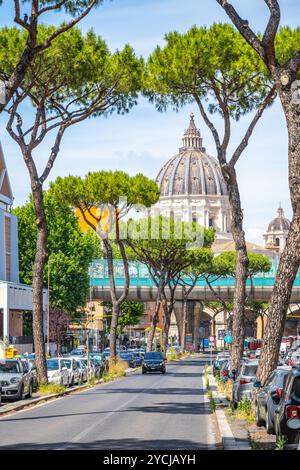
point(150, 411)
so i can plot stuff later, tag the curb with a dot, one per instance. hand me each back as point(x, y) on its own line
point(228, 440)
point(52, 396)
point(45, 398)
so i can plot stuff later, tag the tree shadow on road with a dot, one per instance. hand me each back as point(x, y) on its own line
point(112, 444)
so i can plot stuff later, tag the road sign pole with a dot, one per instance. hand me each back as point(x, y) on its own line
point(210, 348)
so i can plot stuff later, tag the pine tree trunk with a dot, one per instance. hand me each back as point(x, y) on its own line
point(290, 258)
point(239, 300)
point(184, 323)
point(153, 325)
point(113, 331)
point(37, 284)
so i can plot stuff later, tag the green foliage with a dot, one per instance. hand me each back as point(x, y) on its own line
point(130, 312)
point(164, 243)
point(106, 187)
point(225, 264)
point(244, 410)
point(77, 68)
point(207, 63)
point(280, 443)
point(70, 252)
point(287, 43)
point(116, 370)
point(49, 389)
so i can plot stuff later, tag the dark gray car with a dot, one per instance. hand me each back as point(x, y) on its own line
point(268, 398)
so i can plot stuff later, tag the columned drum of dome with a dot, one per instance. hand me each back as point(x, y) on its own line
point(192, 187)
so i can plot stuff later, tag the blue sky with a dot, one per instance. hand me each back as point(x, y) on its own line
point(145, 139)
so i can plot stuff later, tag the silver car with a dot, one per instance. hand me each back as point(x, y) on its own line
point(243, 384)
point(16, 380)
point(57, 371)
point(73, 369)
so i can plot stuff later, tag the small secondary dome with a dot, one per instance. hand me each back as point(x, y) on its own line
point(280, 223)
point(191, 171)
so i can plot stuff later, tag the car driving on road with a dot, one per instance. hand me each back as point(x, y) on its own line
point(154, 362)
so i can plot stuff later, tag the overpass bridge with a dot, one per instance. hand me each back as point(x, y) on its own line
point(143, 288)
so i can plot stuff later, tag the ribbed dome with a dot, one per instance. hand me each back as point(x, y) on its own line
point(279, 223)
point(191, 171)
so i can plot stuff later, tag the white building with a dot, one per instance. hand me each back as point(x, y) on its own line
point(192, 187)
point(14, 297)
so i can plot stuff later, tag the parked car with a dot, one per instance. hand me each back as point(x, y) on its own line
point(225, 370)
point(92, 371)
point(258, 352)
point(57, 371)
point(77, 352)
point(243, 383)
point(128, 357)
point(98, 367)
point(101, 358)
point(82, 370)
point(15, 379)
point(218, 363)
point(154, 362)
point(268, 398)
point(295, 359)
point(32, 367)
point(287, 414)
point(74, 371)
point(139, 357)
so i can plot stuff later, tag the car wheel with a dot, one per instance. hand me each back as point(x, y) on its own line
point(269, 424)
point(258, 421)
point(71, 384)
point(29, 395)
point(20, 397)
point(292, 437)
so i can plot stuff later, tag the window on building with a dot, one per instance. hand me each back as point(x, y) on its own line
point(277, 242)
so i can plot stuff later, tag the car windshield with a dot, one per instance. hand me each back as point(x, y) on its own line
point(52, 364)
point(250, 371)
point(84, 361)
point(10, 367)
point(154, 356)
point(67, 363)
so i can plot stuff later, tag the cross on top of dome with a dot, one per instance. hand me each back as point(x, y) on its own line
point(192, 138)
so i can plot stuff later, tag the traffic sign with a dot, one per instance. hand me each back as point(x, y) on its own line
point(211, 339)
point(228, 339)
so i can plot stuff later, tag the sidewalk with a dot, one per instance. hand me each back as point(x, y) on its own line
point(232, 437)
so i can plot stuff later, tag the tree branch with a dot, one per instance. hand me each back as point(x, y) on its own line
point(244, 143)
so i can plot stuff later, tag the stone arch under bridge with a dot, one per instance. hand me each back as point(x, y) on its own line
point(211, 320)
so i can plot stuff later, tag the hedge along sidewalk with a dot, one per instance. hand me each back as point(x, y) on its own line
point(228, 440)
point(13, 407)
